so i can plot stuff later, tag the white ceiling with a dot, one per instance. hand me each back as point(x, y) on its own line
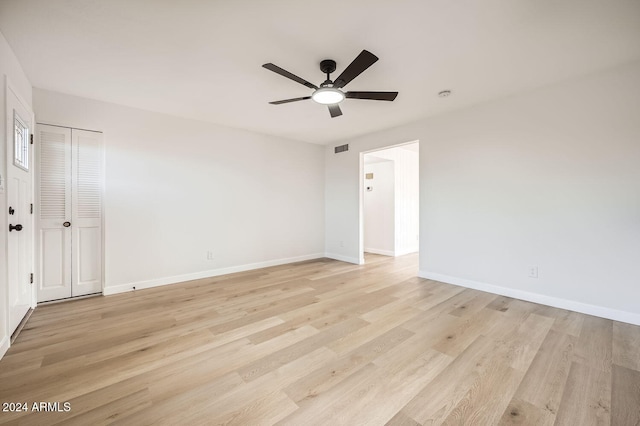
point(202, 59)
point(372, 159)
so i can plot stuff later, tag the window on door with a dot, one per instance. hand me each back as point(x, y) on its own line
point(20, 143)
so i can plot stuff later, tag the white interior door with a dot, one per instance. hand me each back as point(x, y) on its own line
point(70, 212)
point(54, 211)
point(86, 220)
point(20, 198)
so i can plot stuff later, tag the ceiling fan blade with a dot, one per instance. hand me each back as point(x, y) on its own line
point(364, 60)
point(287, 74)
point(376, 96)
point(335, 110)
point(285, 101)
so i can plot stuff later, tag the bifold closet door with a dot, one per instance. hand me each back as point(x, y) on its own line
point(70, 212)
point(54, 207)
point(86, 212)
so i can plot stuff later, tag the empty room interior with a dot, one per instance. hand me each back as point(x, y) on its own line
point(338, 213)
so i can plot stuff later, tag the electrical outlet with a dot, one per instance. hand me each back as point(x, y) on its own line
point(533, 272)
point(209, 255)
point(341, 243)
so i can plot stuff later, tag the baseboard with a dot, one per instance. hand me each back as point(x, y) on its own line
point(411, 250)
point(139, 285)
point(556, 302)
point(380, 251)
point(4, 346)
point(342, 258)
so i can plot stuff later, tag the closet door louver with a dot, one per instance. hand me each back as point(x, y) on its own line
point(54, 209)
point(55, 174)
point(89, 178)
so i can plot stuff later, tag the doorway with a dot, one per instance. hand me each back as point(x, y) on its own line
point(19, 183)
point(390, 201)
point(69, 212)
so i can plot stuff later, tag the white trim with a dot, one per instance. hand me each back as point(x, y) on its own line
point(380, 251)
point(4, 345)
point(5, 240)
point(18, 96)
point(139, 285)
point(407, 251)
point(103, 197)
point(347, 259)
point(556, 302)
point(360, 207)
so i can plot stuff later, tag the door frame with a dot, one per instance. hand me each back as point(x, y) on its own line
point(8, 86)
point(36, 210)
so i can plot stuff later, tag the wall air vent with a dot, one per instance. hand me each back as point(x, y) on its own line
point(341, 148)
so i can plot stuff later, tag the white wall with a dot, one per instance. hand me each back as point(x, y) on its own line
point(176, 188)
point(379, 209)
point(407, 201)
point(10, 70)
point(549, 178)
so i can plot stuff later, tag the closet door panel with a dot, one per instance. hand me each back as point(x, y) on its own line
point(88, 244)
point(54, 212)
point(87, 172)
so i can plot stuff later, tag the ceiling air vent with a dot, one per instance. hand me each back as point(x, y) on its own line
point(341, 148)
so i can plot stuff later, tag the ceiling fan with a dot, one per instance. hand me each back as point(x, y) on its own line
point(329, 92)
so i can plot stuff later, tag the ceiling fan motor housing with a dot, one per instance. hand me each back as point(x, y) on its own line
point(328, 66)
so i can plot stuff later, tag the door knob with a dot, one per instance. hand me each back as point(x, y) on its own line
point(66, 224)
point(17, 227)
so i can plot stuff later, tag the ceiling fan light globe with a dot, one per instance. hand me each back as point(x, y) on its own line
point(328, 96)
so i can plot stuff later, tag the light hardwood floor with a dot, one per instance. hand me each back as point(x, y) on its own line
point(322, 342)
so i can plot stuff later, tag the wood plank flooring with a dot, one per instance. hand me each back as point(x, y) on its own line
point(321, 343)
